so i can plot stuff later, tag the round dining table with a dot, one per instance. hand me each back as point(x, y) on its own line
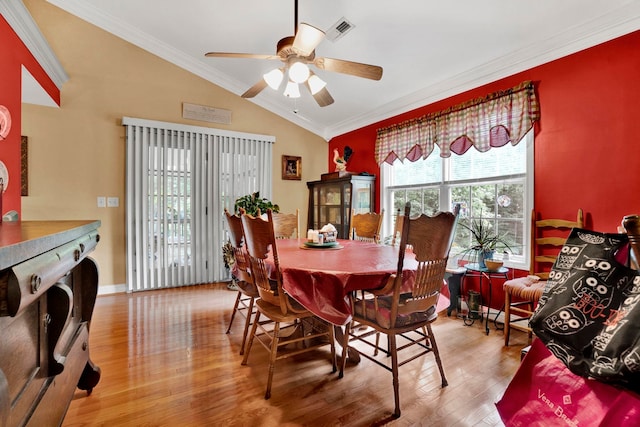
point(321, 278)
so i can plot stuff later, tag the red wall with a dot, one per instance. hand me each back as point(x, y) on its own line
point(586, 152)
point(14, 55)
point(586, 155)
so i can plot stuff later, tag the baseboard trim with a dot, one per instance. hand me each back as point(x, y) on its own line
point(111, 289)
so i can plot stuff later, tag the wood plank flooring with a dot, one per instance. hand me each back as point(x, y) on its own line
point(166, 361)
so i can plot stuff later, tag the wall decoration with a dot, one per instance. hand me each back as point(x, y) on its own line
point(206, 114)
point(5, 122)
point(24, 166)
point(4, 176)
point(292, 167)
point(341, 162)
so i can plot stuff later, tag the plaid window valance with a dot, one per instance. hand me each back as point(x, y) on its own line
point(487, 122)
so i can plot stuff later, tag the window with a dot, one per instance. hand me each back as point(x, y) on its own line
point(496, 185)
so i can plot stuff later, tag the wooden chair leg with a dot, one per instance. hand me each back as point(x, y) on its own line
point(394, 369)
point(272, 358)
point(530, 331)
point(436, 353)
point(507, 317)
point(233, 312)
point(256, 321)
point(247, 323)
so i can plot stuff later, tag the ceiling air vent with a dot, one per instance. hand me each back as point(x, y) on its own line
point(339, 29)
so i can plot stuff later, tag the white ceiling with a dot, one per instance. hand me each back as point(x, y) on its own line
point(428, 49)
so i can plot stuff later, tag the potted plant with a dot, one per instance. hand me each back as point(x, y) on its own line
point(484, 241)
point(251, 203)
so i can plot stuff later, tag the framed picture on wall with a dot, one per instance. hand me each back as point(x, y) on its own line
point(292, 167)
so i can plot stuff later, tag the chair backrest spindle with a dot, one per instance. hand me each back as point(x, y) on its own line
point(260, 239)
point(546, 242)
point(430, 239)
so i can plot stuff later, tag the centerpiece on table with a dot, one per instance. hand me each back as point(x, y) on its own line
point(327, 234)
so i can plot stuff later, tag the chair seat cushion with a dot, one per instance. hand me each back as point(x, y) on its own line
point(247, 288)
point(382, 316)
point(527, 288)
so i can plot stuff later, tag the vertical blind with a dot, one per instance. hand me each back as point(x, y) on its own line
point(179, 180)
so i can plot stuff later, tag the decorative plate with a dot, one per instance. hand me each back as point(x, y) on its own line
point(321, 245)
point(4, 174)
point(325, 246)
point(5, 122)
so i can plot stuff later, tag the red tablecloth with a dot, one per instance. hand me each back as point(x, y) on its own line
point(321, 279)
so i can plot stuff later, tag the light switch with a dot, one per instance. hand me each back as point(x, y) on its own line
point(102, 202)
point(113, 202)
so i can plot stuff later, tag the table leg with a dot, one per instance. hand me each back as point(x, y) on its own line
point(352, 354)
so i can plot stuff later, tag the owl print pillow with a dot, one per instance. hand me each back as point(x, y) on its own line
point(588, 315)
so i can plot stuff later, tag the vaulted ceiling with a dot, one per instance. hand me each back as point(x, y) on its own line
point(428, 49)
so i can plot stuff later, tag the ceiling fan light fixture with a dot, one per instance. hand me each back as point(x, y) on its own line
point(292, 90)
point(316, 84)
point(274, 78)
point(307, 39)
point(299, 72)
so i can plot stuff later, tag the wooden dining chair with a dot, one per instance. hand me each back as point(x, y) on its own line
point(286, 225)
point(404, 311)
point(247, 291)
point(521, 295)
point(366, 226)
point(276, 305)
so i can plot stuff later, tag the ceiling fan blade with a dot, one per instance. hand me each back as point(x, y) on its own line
point(239, 55)
point(322, 97)
point(357, 69)
point(307, 39)
point(255, 89)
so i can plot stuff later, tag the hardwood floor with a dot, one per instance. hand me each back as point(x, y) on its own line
point(166, 360)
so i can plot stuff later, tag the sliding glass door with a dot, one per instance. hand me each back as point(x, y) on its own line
point(179, 180)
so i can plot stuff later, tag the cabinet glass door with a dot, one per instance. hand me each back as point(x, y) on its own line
point(362, 198)
point(329, 205)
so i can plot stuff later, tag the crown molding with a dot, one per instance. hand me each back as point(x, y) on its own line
point(616, 23)
point(21, 21)
point(620, 22)
point(176, 57)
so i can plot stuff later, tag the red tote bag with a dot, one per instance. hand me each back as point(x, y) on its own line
point(545, 393)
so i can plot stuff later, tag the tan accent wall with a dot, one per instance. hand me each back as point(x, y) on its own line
point(77, 152)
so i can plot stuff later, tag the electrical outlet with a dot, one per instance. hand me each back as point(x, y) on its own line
point(102, 202)
point(113, 202)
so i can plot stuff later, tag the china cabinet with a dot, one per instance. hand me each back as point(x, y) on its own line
point(331, 201)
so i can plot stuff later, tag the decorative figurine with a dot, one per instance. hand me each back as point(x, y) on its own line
point(341, 162)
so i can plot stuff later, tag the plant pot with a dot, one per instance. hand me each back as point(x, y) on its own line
point(482, 255)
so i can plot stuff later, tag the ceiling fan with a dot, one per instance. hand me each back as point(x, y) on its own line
point(296, 52)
